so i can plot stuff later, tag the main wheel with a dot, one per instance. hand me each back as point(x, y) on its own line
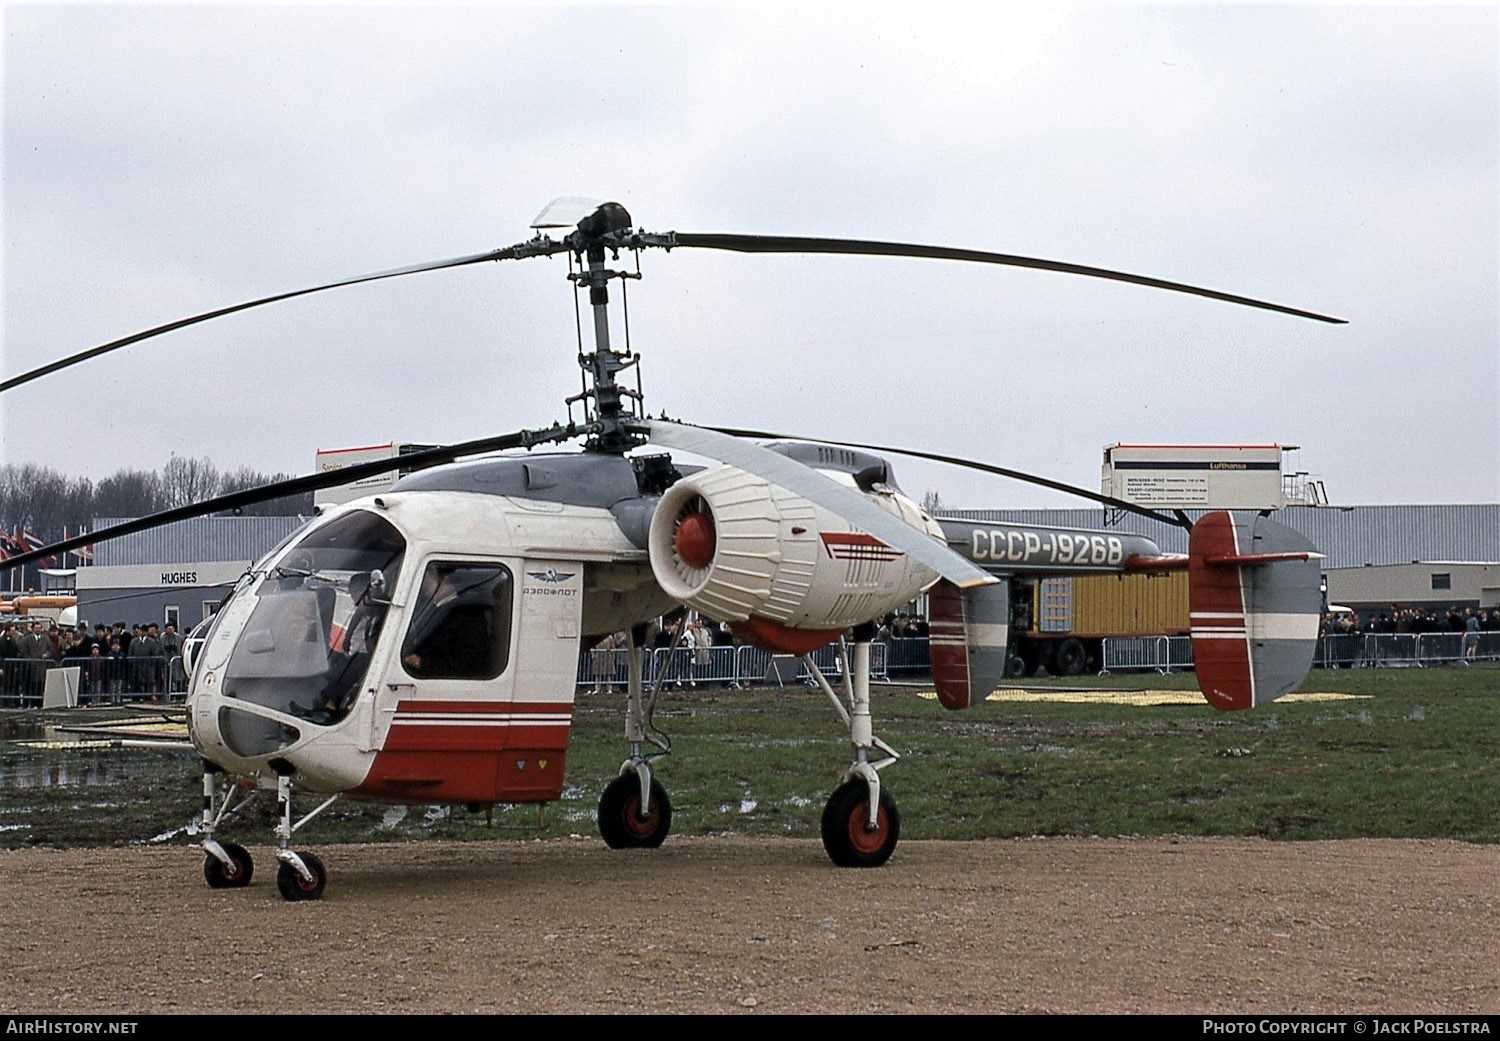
point(846, 833)
point(620, 820)
point(294, 887)
point(232, 875)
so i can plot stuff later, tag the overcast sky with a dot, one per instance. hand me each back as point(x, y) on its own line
point(161, 161)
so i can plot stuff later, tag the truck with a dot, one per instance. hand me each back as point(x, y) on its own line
point(1070, 589)
point(1060, 624)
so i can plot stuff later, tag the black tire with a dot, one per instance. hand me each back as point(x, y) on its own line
point(1015, 667)
point(294, 887)
point(233, 875)
point(1030, 660)
point(1071, 657)
point(845, 836)
point(620, 820)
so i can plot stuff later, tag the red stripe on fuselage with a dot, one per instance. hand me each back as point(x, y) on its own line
point(472, 752)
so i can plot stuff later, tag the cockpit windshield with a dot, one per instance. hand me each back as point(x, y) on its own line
point(319, 609)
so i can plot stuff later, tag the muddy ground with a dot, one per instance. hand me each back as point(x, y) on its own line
point(746, 926)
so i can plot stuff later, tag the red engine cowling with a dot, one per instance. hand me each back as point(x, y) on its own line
point(789, 576)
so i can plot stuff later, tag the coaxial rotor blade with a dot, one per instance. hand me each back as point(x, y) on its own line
point(818, 489)
point(533, 248)
point(299, 485)
point(973, 464)
point(799, 244)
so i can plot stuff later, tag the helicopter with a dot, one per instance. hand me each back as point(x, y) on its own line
point(420, 645)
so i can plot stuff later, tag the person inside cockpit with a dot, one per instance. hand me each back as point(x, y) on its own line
point(460, 629)
point(349, 657)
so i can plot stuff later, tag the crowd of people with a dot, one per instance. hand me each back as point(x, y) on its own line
point(1411, 620)
point(1468, 622)
point(144, 660)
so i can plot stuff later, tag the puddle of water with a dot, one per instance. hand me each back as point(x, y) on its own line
point(22, 768)
point(25, 727)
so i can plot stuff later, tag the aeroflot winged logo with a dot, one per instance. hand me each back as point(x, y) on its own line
point(551, 575)
point(856, 545)
point(552, 583)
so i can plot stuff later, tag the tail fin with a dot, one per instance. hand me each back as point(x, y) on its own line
point(969, 630)
point(1253, 593)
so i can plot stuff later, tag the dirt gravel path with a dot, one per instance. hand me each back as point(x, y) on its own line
point(739, 925)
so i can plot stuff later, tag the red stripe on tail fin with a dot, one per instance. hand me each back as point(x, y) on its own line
point(946, 646)
point(1216, 602)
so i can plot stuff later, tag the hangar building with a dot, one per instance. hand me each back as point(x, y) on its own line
point(177, 573)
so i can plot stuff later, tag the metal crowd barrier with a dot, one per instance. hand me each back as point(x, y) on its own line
point(1336, 651)
point(605, 669)
point(1136, 653)
point(1395, 650)
point(101, 681)
point(907, 654)
point(743, 666)
point(115, 680)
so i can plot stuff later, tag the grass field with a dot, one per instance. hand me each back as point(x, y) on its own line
point(1412, 753)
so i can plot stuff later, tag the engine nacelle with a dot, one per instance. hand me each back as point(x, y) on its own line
point(786, 574)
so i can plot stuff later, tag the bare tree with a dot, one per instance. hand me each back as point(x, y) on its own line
point(47, 503)
point(245, 478)
point(186, 481)
point(40, 499)
point(127, 493)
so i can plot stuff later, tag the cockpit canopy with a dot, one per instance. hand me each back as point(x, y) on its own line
point(318, 611)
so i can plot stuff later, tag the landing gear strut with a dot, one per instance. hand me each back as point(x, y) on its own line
point(861, 824)
point(226, 865)
point(634, 811)
point(301, 876)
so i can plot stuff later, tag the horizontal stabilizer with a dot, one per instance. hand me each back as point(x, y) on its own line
point(1156, 565)
point(968, 630)
point(1254, 599)
point(1253, 559)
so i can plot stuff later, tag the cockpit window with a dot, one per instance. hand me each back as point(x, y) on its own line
point(319, 609)
point(460, 628)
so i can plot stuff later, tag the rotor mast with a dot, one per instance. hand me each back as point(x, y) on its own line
point(597, 234)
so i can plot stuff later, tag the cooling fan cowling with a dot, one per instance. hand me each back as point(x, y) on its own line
point(740, 549)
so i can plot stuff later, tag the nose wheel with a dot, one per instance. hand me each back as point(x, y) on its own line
point(295, 883)
point(847, 835)
point(233, 871)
